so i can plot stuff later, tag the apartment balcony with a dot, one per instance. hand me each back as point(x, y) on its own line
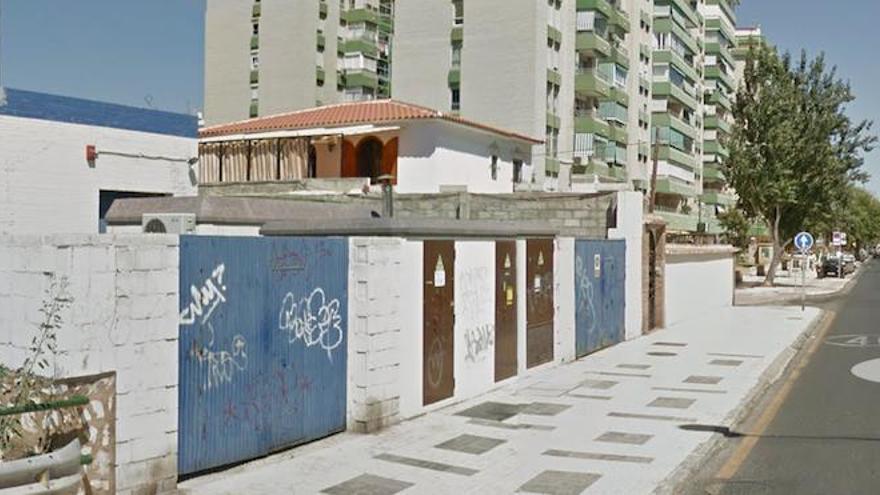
point(321, 40)
point(554, 34)
point(712, 173)
point(368, 45)
point(320, 74)
point(718, 123)
point(668, 120)
point(457, 34)
point(718, 198)
point(725, 7)
point(553, 120)
point(673, 186)
point(620, 56)
point(667, 25)
point(363, 14)
point(360, 78)
point(667, 89)
point(322, 9)
point(721, 51)
point(677, 157)
point(606, 173)
point(588, 82)
point(619, 95)
point(674, 58)
point(256, 10)
point(255, 42)
point(684, 7)
point(618, 134)
point(719, 98)
point(717, 24)
point(554, 77)
point(715, 148)
point(590, 42)
point(454, 77)
point(255, 76)
point(603, 6)
point(589, 122)
point(620, 20)
point(715, 72)
point(551, 164)
point(679, 222)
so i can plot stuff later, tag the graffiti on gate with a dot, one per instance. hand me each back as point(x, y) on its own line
point(222, 364)
point(314, 319)
point(436, 357)
point(585, 298)
point(479, 334)
point(205, 299)
point(478, 341)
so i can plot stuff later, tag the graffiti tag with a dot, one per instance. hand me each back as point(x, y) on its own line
point(206, 298)
point(222, 365)
point(478, 341)
point(314, 320)
point(584, 299)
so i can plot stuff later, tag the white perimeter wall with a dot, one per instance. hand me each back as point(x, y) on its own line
point(435, 154)
point(123, 318)
point(697, 285)
point(47, 186)
point(630, 226)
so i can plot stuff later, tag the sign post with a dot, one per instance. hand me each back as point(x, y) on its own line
point(803, 242)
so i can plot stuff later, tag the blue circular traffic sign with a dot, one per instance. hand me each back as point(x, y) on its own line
point(803, 241)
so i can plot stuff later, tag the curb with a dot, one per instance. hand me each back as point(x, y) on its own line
point(811, 298)
point(779, 367)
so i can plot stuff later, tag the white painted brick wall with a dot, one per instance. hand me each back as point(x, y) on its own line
point(374, 333)
point(124, 318)
point(55, 189)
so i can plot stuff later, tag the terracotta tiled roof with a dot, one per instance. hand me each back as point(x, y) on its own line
point(366, 112)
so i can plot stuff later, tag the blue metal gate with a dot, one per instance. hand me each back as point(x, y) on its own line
point(599, 294)
point(263, 337)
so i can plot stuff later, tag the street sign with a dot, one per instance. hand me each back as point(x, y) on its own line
point(838, 239)
point(803, 242)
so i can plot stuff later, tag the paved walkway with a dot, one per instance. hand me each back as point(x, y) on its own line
point(606, 424)
point(788, 287)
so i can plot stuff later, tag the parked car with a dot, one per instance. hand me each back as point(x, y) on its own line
point(832, 266)
point(849, 264)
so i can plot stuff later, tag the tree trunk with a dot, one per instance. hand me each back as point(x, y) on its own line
point(777, 251)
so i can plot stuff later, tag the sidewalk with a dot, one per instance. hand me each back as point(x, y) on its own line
point(788, 288)
point(606, 424)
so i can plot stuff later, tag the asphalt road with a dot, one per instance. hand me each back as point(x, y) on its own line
point(818, 430)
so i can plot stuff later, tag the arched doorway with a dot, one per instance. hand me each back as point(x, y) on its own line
point(369, 157)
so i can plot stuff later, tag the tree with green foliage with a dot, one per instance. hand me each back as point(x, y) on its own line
point(793, 151)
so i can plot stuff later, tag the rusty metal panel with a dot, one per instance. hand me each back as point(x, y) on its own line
point(505, 310)
point(539, 301)
point(438, 377)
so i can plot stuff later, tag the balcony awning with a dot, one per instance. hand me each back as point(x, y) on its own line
point(321, 131)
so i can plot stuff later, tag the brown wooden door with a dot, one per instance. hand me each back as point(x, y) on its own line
point(438, 377)
point(539, 301)
point(505, 309)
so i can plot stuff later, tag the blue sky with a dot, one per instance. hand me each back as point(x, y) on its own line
point(149, 52)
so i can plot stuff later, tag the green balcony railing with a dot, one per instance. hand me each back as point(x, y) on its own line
point(554, 77)
point(713, 173)
point(588, 82)
point(620, 56)
point(320, 74)
point(457, 33)
point(454, 77)
point(553, 120)
point(718, 123)
point(620, 20)
point(589, 41)
point(715, 148)
point(666, 88)
point(322, 9)
point(667, 120)
point(715, 72)
point(719, 98)
point(256, 10)
point(603, 6)
point(255, 76)
point(355, 16)
point(255, 42)
point(674, 58)
point(366, 46)
point(669, 185)
point(554, 34)
point(587, 122)
point(679, 222)
point(361, 79)
point(677, 157)
point(718, 198)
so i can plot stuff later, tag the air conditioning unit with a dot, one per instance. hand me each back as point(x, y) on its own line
point(168, 223)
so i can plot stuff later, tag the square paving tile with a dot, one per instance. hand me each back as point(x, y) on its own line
point(621, 437)
point(634, 366)
point(672, 402)
point(425, 464)
point(703, 380)
point(368, 484)
point(599, 384)
point(470, 444)
point(671, 344)
point(495, 411)
point(544, 409)
point(559, 483)
point(726, 362)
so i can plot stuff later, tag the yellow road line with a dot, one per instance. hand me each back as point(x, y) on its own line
point(729, 469)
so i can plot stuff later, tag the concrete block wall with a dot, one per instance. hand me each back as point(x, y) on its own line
point(578, 215)
point(374, 329)
point(123, 319)
point(700, 280)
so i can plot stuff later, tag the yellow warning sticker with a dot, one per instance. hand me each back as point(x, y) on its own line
point(439, 273)
point(507, 260)
point(540, 258)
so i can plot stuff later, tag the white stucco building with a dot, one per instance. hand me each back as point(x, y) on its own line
point(425, 151)
point(50, 184)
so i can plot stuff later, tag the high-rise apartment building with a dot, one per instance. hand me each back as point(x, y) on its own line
point(271, 56)
point(564, 70)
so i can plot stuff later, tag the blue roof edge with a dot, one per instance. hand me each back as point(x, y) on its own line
point(30, 104)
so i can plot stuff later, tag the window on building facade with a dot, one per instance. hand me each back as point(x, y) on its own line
point(458, 12)
point(494, 168)
point(255, 28)
point(456, 98)
point(456, 53)
point(517, 171)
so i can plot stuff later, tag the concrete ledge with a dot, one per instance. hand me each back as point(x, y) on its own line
point(397, 227)
point(692, 249)
point(783, 299)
